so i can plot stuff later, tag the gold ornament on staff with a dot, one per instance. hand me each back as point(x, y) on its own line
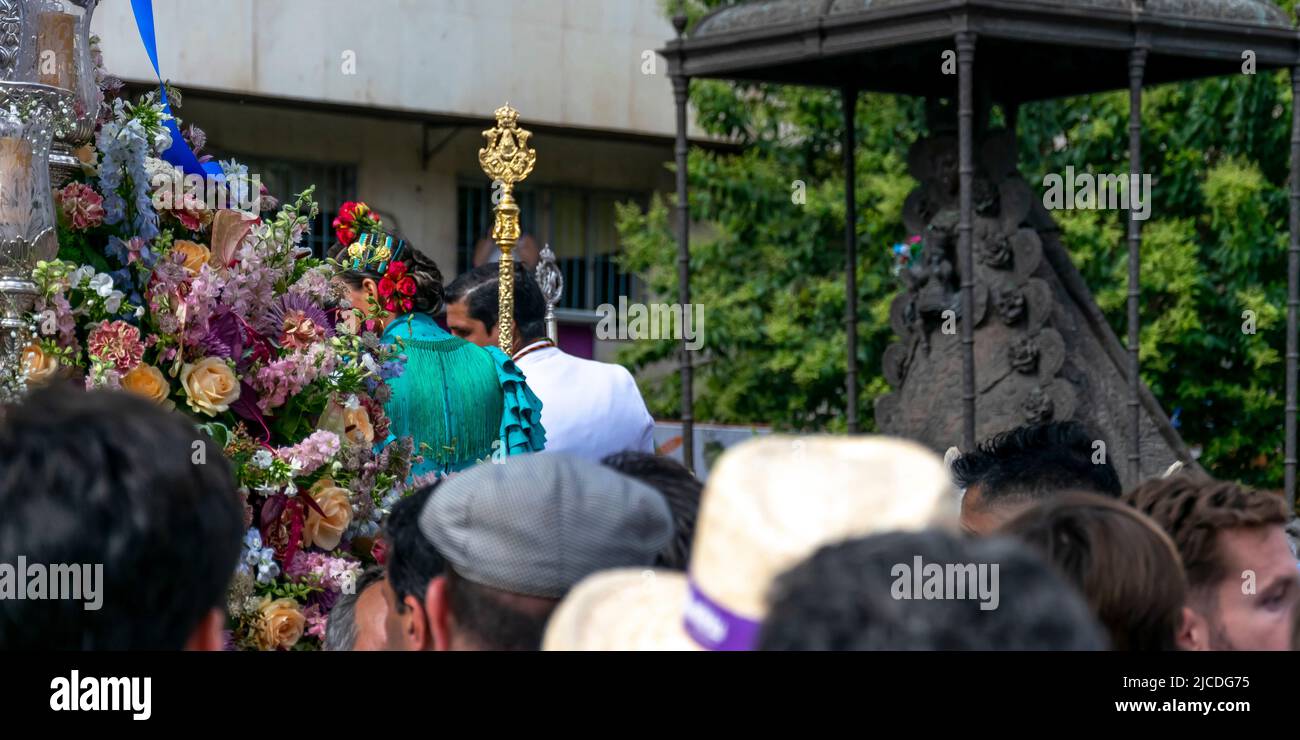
point(507, 160)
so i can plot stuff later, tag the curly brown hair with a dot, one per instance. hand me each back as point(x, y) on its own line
point(1194, 508)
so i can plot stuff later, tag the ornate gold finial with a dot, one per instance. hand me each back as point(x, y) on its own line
point(508, 160)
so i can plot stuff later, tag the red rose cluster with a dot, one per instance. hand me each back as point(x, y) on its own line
point(397, 289)
point(354, 219)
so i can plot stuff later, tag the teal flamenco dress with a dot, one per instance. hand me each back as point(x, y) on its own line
point(459, 402)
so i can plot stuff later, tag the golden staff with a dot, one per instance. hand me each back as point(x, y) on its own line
point(507, 160)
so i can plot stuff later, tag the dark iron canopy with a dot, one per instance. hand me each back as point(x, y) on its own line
point(1040, 48)
point(1028, 50)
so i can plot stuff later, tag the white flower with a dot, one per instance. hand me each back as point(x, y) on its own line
point(291, 489)
point(80, 274)
point(262, 459)
point(368, 362)
point(114, 301)
point(102, 284)
point(139, 312)
point(352, 403)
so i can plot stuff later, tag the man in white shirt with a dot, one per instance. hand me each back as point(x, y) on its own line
point(590, 409)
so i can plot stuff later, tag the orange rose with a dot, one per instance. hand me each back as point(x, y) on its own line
point(149, 382)
point(357, 427)
point(39, 366)
point(210, 385)
point(280, 624)
point(326, 531)
point(196, 255)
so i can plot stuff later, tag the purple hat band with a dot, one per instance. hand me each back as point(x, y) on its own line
point(715, 627)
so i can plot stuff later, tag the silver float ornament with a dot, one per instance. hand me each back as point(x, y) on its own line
point(551, 281)
point(30, 112)
point(64, 60)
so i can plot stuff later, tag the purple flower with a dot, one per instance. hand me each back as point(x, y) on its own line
point(296, 321)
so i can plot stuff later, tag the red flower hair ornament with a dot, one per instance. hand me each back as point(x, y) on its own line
point(397, 289)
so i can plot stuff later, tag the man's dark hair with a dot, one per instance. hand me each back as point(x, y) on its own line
point(412, 560)
point(845, 598)
point(341, 628)
point(478, 289)
point(1120, 560)
point(679, 487)
point(1034, 461)
point(494, 619)
point(108, 478)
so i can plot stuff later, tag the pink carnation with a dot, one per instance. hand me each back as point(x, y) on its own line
point(83, 207)
point(116, 343)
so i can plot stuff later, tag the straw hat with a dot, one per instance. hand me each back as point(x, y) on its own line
point(770, 503)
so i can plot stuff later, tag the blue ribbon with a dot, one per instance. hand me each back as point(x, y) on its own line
point(179, 154)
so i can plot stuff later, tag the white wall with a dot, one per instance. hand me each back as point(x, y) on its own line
point(563, 62)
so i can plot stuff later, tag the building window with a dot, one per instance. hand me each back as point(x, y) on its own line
point(335, 185)
point(578, 223)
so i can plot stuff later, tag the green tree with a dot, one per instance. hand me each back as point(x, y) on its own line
point(769, 271)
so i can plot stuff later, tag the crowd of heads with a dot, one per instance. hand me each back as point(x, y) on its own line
point(794, 543)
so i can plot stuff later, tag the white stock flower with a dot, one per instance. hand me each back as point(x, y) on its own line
point(102, 284)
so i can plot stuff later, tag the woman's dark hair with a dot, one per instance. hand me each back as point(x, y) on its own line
point(428, 278)
point(1125, 566)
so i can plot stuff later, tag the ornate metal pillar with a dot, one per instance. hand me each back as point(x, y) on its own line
point(965, 136)
point(850, 98)
point(681, 88)
point(1293, 293)
point(1136, 70)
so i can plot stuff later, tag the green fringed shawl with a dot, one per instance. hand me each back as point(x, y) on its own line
point(448, 398)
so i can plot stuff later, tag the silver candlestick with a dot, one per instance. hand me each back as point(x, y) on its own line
point(30, 113)
point(65, 61)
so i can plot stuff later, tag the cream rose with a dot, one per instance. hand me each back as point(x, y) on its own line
point(210, 385)
point(357, 427)
point(196, 255)
point(40, 366)
point(280, 624)
point(147, 381)
point(326, 531)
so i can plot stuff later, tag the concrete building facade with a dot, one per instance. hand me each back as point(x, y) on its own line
point(385, 101)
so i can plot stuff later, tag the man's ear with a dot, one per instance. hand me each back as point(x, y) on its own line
point(439, 613)
point(415, 624)
point(207, 636)
point(1195, 632)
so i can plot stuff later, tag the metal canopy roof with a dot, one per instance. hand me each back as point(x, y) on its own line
point(1028, 49)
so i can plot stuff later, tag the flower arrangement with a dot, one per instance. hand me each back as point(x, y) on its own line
point(221, 315)
point(354, 219)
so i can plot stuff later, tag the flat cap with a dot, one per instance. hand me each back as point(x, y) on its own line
point(537, 524)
